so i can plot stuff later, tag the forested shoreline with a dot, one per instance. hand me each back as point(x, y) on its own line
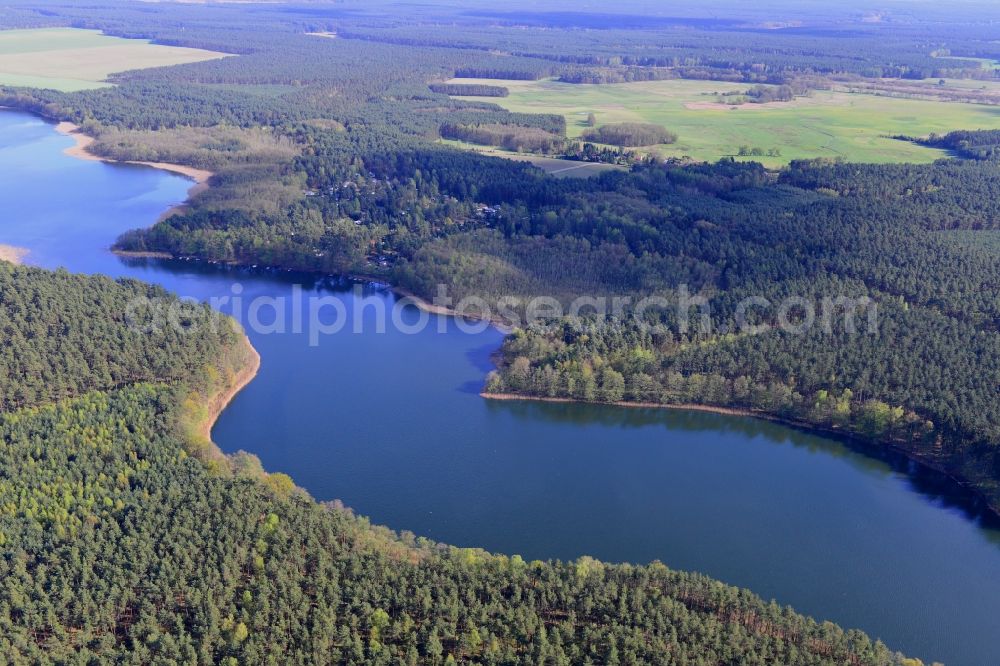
point(910, 420)
point(961, 492)
point(328, 157)
point(359, 189)
point(105, 482)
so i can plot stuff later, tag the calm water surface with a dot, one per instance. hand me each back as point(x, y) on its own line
point(392, 424)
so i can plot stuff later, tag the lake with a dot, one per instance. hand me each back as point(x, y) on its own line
point(392, 424)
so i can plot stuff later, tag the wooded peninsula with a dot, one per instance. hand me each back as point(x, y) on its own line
point(126, 536)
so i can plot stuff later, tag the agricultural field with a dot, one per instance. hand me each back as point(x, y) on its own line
point(69, 59)
point(853, 126)
point(553, 166)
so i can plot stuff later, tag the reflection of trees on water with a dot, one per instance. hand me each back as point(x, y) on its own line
point(937, 488)
point(932, 485)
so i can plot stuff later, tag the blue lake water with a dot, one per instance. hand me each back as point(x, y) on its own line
point(392, 424)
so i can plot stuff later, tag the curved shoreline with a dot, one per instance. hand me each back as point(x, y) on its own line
point(81, 150)
point(217, 403)
point(440, 310)
point(224, 399)
point(690, 407)
point(867, 447)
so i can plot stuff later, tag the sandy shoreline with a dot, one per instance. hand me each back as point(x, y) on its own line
point(81, 150)
point(218, 402)
point(728, 411)
point(429, 307)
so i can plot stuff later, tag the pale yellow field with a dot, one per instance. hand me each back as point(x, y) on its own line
point(69, 59)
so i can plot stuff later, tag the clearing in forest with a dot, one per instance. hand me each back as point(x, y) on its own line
point(836, 123)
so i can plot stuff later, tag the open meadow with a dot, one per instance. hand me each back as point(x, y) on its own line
point(70, 59)
point(853, 126)
point(553, 166)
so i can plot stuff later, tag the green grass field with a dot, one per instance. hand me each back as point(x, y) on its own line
point(551, 165)
point(69, 59)
point(825, 124)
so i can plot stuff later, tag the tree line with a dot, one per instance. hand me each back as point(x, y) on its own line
point(469, 89)
point(116, 545)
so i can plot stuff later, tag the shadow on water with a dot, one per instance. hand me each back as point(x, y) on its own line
point(935, 487)
point(391, 426)
point(472, 387)
point(481, 358)
point(314, 281)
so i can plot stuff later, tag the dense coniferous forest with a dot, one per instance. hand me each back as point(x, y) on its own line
point(117, 546)
point(469, 89)
point(67, 335)
point(387, 201)
point(326, 157)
